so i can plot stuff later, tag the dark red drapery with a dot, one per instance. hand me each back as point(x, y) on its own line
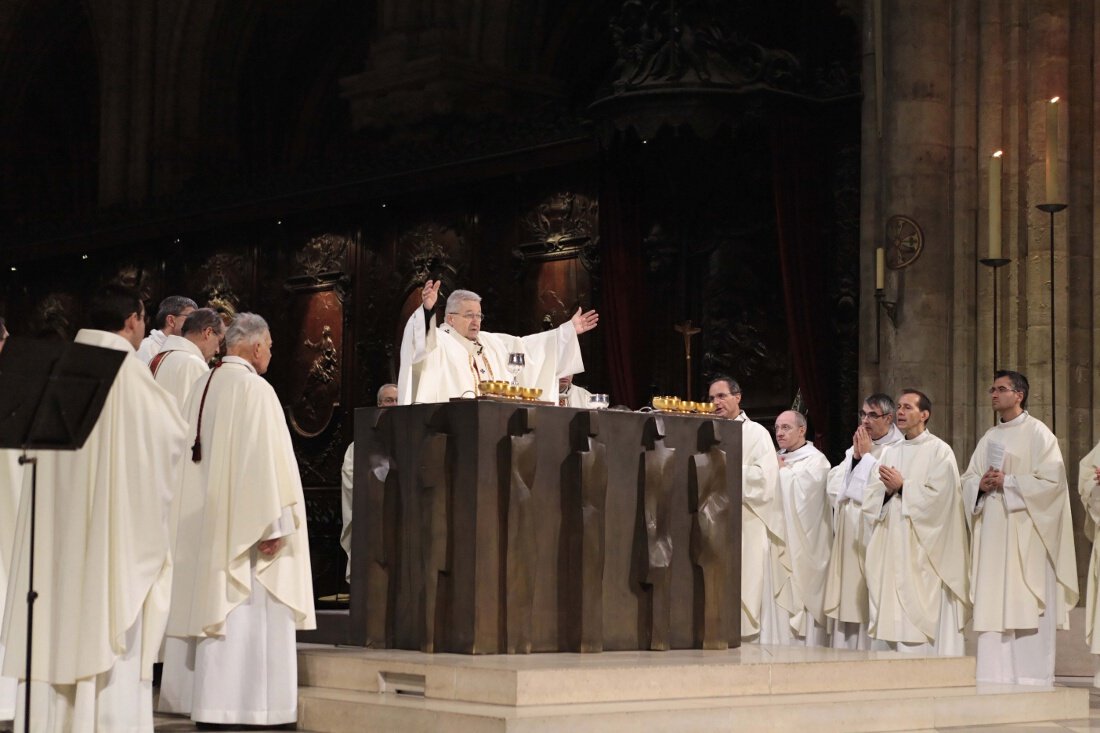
point(624, 286)
point(800, 183)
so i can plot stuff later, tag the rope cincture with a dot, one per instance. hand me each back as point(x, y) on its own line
point(196, 449)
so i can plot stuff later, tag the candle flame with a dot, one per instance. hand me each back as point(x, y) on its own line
point(998, 154)
point(1054, 100)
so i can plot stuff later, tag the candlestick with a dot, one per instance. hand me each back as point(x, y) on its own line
point(880, 268)
point(995, 206)
point(1053, 193)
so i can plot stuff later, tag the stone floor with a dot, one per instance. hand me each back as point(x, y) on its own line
point(166, 723)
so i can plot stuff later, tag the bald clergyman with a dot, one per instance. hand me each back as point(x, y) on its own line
point(444, 362)
point(803, 470)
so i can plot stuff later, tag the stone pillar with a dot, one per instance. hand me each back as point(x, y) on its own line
point(908, 173)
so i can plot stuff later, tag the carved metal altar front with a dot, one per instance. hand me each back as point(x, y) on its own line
point(483, 527)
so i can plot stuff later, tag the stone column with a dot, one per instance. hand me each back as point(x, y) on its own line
point(907, 172)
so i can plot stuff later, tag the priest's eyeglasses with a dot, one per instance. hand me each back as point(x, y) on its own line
point(470, 316)
point(1001, 389)
point(861, 415)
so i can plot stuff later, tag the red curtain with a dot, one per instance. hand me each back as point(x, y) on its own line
point(623, 283)
point(801, 183)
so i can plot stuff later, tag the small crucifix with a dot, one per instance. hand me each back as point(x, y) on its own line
point(688, 331)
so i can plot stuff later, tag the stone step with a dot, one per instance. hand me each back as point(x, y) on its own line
point(559, 679)
point(341, 710)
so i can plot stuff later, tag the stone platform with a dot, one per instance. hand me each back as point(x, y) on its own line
point(746, 689)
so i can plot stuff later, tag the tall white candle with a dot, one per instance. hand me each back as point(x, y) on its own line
point(1053, 194)
point(880, 268)
point(995, 206)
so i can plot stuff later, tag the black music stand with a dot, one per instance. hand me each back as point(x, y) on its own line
point(51, 394)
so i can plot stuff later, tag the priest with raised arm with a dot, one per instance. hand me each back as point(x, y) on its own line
point(242, 582)
point(439, 363)
point(917, 556)
point(102, 565)
point(1023, 574)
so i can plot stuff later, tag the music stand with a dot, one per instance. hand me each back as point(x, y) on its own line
point(51, 394)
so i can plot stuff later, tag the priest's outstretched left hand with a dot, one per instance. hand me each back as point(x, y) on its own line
point(270, 547)
point(583, 322)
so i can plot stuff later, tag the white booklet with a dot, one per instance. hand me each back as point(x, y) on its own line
point(996, 455)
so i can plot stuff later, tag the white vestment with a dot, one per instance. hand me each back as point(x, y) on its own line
point(918, 553)
point(150, 345)
point(809, 534)
point(240, 607)
point(576, 396)
point(1023, 577)
point(102, 563)
point(1090, 497)
point(179, 368)
point(846, 586)
point(438, 364)
point(765, 566)
point(347, 485)
point(11, 484)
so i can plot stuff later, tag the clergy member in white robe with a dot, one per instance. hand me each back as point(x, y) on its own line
point(917, 555)
point(184, 358)
point(807, 515)
point(242, 584)
point(572, 395)
point(846, 586)
point(11, 484)
point(1023, 576)
point(439, 363)
point(171, 314)
point(765, 565)
point(102, 563)
point(1088, 486)
point(386, 397)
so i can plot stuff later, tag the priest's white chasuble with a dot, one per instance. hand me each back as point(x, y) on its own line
point(1023, 569)
point(102, 562)
point(918, 553)
point(1089, 491)
point(179, 368)
point(150, 345)
point(808, 530)
point(438, 364)
point(765, 565)
point(239, 607)
point(846, 584)
point(347, 492)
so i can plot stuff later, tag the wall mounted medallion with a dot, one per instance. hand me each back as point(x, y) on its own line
point(904, 242)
